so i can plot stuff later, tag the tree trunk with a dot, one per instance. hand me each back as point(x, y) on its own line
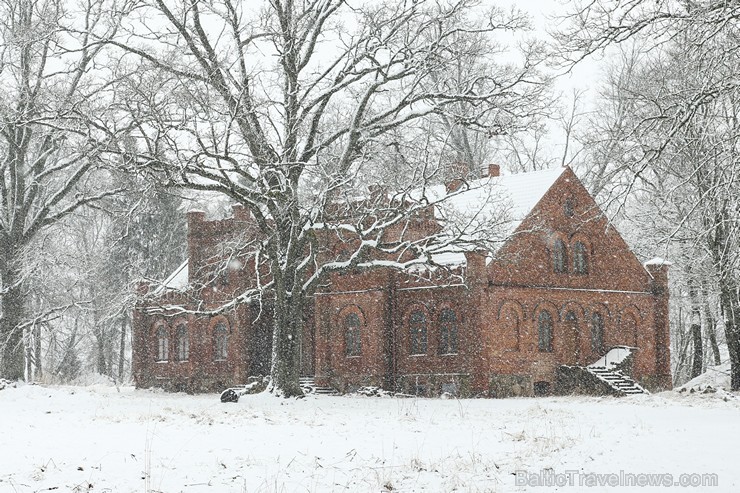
point(698, 356)
point(710, 328)
point(731, 311)
point(11, 334)
point(99, 329)
point(39, 372)
point(102, 364)
point(28, 372)
point(122, 347)
point(286, 343)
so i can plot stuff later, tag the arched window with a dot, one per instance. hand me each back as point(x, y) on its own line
point(580, 261)
point(629, 330)
point(559, 257)
point(418, 332)
point(597, 333)
point(182, 343)
point(544, 331)
point(220, 342)
point(448, 332)
point(569, 207)
point(163, 344)
point(352, 335)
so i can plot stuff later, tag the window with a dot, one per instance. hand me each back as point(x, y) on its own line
point(559, 257)
point(448, 332)
point(580, 263)
point(220, 342)
point(182, 343)
point(597, 333)
point(569, 208)
point(544, 331)
point(162, 345)
point(352, 335)
point(418, 332)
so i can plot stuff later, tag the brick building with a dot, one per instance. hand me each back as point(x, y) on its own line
point(562, 289)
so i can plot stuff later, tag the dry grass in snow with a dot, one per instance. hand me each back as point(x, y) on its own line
point(99, 439)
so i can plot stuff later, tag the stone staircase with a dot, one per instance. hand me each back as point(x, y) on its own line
point(618, 381)
point(610, 374)
point(308, 384)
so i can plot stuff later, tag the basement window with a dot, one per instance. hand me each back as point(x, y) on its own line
point(541, 388)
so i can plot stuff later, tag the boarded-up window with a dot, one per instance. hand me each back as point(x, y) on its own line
point(628, 331)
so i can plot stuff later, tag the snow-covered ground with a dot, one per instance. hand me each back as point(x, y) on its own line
point(99, 439)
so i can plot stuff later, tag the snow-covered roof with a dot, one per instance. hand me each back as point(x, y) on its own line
point(492, 208)
point(449, 258)
point(178, 280)
point(658, 261)
point(517, 194)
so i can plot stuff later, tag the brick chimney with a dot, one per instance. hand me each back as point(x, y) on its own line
point(494, 170)
point(239, 212)
point(453, 185)
point(476, 274)
point(456, 175)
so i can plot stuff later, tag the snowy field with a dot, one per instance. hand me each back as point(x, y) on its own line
point(100, 439)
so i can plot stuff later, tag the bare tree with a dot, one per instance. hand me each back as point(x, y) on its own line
point(678, 133)
point(49, 146)
point(283, 105)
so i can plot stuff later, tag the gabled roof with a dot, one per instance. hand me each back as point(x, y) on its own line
point(503, 200)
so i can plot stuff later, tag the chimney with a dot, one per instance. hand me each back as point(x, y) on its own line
point(453, 185)
point(494, 170)
point(476, 274)
point(456, 175)
point(239, 212)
